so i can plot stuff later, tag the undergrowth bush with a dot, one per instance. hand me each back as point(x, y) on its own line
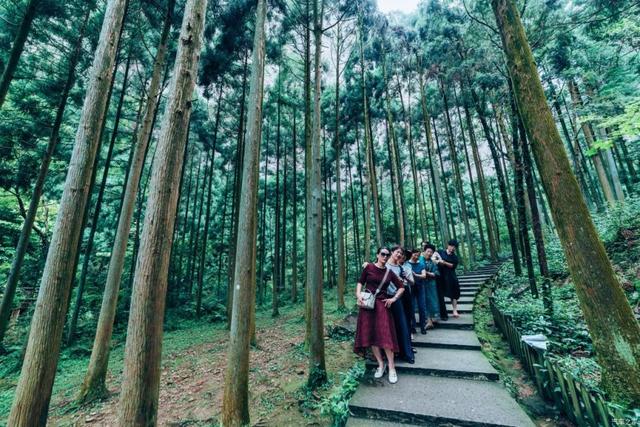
point(337, 404)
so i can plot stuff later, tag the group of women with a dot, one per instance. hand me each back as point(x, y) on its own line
point(402, 281)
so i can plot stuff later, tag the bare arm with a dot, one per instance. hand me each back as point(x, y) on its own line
point(396, 297)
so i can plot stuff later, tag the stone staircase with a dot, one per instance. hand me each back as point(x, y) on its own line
point(450, 384)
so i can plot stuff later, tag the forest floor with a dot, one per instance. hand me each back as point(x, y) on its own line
point(192, 381)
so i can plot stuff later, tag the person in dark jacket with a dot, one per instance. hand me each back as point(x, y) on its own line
point(448, 282)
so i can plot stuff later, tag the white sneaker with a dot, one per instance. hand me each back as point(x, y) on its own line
point(393, 376)
point(379, 372)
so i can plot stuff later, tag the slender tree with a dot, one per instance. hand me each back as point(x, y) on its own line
point(342, 273)
point(73, 323)
point(235, 406)
point(315, 312)
point(33, 393)
point(140, 388)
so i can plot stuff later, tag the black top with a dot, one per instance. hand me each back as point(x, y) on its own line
point(448, 277)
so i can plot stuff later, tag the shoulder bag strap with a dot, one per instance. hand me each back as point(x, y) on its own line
point(384, 279)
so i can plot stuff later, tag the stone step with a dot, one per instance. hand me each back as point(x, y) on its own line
point(433, 401)
point(445, 362)
point(465, 321)
point(462, 308)
point(476, 275)
point(465, 299)
point(477, 281)
point(365, 422)
point(448, 338)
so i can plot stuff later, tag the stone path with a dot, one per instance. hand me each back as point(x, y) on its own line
point(451, 383)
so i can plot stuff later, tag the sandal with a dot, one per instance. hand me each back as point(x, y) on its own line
point(379, 371)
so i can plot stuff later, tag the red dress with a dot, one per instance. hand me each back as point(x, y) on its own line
point(376, 327)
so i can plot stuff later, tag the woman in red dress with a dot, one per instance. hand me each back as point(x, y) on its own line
point(375, 327)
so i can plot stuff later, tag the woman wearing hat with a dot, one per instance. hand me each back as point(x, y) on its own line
point(448, 280)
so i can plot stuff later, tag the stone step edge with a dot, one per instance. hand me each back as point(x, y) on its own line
point(412, 419)
point(441, 373)
point(447, 346)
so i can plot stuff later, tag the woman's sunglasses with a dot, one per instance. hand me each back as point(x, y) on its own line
point(384, 254)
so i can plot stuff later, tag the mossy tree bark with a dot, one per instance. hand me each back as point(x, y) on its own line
point(612, 326)
point(138, 404)
point(31, 401)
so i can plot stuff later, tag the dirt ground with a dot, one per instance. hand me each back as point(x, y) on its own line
point(193, 379)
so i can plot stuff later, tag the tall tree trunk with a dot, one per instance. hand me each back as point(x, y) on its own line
point(192, 228)
point(315, 320)
point(612, 326)
point(194, 250)
point(294, 238)
point(342, 273)
point(17, 47)
point(207, 215)
point(31, 401)
point(96, 212)
point(577, 165)
point(357, 256)
point(436, 177)
point(222, 239)
point(595, 188)
point(236, 193)
point(533, 203)
point(140, 388)
point(504, 192)
point(368, 143)
point(396, 173)
point(277, 281)
point(189, 161)
point(263, 226)
point(518, 174)
point(458, 178)
point(30, 217)
point(451, 221)
point(365, 192)
point(283, 224)
point(235, 406)
point(483, 244)
point(419, 207)
point(598, 161)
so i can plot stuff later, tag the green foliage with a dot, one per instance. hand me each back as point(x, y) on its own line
point(337, 404)
point(570, 345)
